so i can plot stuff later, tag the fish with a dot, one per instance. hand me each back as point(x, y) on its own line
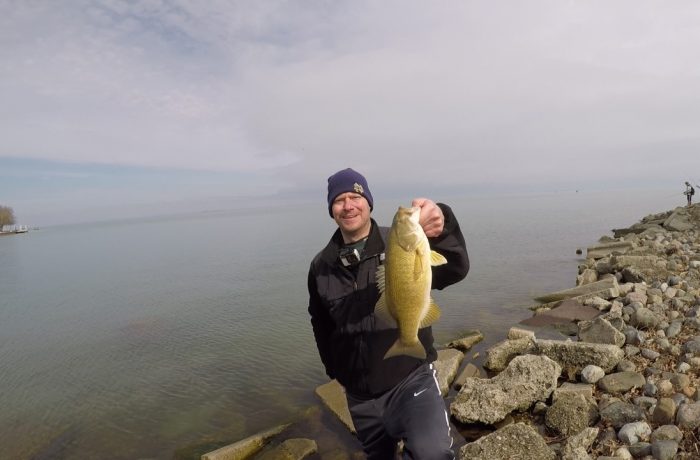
point(404, 281)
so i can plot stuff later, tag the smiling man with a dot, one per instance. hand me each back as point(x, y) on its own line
point(389, 399)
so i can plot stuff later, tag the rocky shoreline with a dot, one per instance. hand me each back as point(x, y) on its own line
point(620, 379)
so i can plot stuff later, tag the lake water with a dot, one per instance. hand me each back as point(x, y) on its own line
point(134, 339)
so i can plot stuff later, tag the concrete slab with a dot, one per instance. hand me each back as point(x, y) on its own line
point(332, 395)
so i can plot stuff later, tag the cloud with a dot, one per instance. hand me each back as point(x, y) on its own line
point(455, 93)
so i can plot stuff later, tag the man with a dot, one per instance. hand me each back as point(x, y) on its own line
point(689, 192)
point(397, 398)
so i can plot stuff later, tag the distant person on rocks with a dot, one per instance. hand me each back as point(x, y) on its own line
point(389, 399)
point(689, 192)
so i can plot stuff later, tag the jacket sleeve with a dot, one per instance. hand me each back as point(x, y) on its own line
point(450, 244)
point(321, 323)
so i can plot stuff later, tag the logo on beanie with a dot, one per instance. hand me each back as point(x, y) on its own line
point(358, 188)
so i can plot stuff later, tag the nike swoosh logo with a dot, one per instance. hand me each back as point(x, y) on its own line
point(416, 394)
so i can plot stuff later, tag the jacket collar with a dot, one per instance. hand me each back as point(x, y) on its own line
point(375, 244)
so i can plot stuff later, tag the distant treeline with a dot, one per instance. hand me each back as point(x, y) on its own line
point(7, 216)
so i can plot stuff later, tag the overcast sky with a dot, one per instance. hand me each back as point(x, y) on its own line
point(120, 104)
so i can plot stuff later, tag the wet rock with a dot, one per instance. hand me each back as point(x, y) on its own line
point(527, 379)
point(291, 449)
point(245, 447)
point(465, 343)
point(332, 395)
point(513, 441)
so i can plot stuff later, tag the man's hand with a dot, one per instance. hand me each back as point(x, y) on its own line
point(431, 218)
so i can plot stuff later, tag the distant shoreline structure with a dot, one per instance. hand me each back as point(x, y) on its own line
point(13, 229)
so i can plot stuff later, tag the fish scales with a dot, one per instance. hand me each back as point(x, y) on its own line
point(404, 283)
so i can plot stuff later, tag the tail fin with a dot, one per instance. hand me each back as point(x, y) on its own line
point(398, 348)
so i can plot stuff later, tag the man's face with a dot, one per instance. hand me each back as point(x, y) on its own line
point(351, 213)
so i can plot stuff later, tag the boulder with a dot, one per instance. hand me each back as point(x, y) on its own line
point(291, 449)
point(605, 288)
point(600, 331)
point(245, 448)
point(465, 343)
point(571, 413)
point(621, 382)
point(332, 395)
point(499, 355)
point(574, 356)
point(678, 221)
point(620, 413)
point(576, 447)
point(527, 379)
point(447, 365)
point(469, 370)
point(512, 441)
point(606, 249)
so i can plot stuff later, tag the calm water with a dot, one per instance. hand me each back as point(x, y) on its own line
point(133, 339)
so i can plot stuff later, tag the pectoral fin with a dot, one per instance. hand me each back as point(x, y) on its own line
point(437, 259)
point(417, 265)
point(432, 315)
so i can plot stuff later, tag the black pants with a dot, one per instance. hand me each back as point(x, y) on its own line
point(413, 411)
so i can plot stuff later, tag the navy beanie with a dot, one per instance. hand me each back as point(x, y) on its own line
point(348, 180)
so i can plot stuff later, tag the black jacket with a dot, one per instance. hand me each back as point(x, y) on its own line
point(341, 305)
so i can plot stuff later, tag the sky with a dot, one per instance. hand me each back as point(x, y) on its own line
point(112, 108)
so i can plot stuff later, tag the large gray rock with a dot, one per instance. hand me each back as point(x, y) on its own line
point(527, 379)
point(688, 416)
point(447, 365)
point(332, 395)
point(605, 288)
point(516, 441)
point(571, 413)
point(245, 448)
point(574, 356)
point(620, 413)
point(469, 370)
point(576, 447)
point(678, 221)
point(621, 382)
point(606, 249)
point(499, 355)
point(600, 331)
point(465, 343)
point(291, 449)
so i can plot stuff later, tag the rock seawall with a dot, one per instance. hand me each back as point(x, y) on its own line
point(620, 380)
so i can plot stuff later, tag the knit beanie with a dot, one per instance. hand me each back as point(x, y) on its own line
point(348, 180)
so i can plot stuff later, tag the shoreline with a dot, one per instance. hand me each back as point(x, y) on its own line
point(670, 290)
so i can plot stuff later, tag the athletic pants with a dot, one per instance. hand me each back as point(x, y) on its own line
point(412, 411)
